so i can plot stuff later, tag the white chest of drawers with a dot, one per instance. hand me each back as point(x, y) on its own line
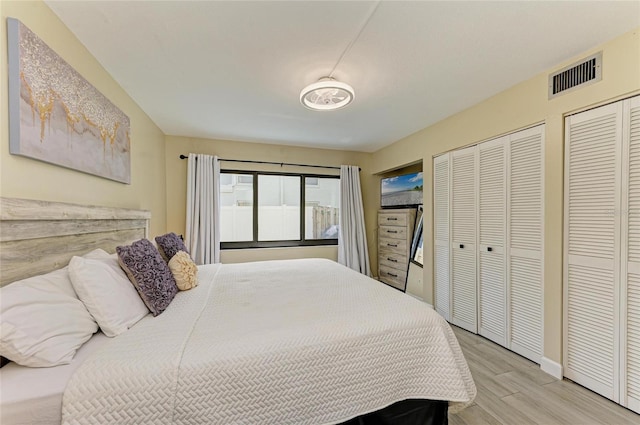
point(395, 232)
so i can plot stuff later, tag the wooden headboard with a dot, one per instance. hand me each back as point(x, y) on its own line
point(39, 236)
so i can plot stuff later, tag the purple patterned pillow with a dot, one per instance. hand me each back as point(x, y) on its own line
point(149, 274)
point(169, 245)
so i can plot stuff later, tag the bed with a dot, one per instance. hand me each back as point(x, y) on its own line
point(294, 341)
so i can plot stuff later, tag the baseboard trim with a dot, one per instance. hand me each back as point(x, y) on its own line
point(552, 368)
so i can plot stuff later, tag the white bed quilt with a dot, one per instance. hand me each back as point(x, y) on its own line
point(276, 342)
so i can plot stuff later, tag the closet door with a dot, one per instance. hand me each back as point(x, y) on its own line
point(592, 248)
point(441, 202)
point(492, 300)
point(463, 246)
point(525, 229)
point(631, 254)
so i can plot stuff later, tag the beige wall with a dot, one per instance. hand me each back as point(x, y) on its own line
point(22, 177)
point(518, 107)
point(165, 193)
point(177, 183)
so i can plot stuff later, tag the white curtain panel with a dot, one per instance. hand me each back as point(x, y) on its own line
point(352, 238)
point(203, 208)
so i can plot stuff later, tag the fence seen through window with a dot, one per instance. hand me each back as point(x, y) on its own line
point(268, 209)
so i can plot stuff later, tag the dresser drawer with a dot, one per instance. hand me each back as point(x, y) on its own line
point(395, 245)
point(393, 277)
point(393, 260)
point(394, 232)
point(392, 219)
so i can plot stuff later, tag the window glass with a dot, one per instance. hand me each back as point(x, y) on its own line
point(281, 217)
point(236, 207)
point(278, 208)
point(322, 201)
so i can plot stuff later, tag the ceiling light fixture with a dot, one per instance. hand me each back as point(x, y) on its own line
point(328, 94)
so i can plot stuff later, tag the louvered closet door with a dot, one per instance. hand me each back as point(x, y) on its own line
point(441, 192)
point(492, 301)
point(463, 246)
point(525, 229)
point(631, 252)
point(592, 248)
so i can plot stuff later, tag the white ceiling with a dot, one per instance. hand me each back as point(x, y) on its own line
point(234, 69)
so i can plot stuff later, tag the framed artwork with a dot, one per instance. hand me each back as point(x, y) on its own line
point(57, 116)
point(401, 191)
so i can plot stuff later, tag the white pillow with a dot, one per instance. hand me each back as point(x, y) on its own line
point(106, 291)
point(42, 322)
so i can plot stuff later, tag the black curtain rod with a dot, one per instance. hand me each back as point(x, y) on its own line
point(270, 162)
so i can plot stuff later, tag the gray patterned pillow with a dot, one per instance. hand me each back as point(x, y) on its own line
point(149, 274)
point(169, 245)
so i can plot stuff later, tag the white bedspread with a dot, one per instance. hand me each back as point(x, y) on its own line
point(277, 342)
point(33, 395)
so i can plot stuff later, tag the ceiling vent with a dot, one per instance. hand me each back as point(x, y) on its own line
point(576, 75)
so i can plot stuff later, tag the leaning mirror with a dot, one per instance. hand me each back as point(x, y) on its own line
point(416, 244)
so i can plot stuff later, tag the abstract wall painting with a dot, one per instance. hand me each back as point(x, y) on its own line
point(57, 116)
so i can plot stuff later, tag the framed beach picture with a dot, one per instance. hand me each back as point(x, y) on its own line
point(57, 116)
point(401, 191)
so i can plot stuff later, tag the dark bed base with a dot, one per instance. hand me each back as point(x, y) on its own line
point(406, 412)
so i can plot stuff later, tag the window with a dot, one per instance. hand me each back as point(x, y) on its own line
point(321, 208)
point(236, 207)
point(276, 209)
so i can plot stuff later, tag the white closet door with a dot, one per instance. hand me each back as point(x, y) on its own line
point(441, 202)
point(492, 300)
point(631, 253)
point(463, 246)
point(525, 229)
point(592, 248)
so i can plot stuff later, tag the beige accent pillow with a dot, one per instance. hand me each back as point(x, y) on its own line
point(184, 271)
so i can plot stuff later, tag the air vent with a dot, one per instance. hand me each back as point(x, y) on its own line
point(579, 74)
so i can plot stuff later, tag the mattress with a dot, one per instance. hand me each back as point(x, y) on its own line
point(283, 342)
point(33, 396)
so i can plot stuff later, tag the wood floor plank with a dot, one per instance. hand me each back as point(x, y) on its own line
point(489, 363)
point(513, 391)
point(500, 410)
point(592, 403)
point(569, 413)
point(467, 338)
point(476, 415)
point(457, 420)
point(513, 360)
point(486, 382)
point(530, 407)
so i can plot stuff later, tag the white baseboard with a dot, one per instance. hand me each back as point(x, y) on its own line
point(552, 368)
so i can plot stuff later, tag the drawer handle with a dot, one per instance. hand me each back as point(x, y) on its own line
point(393, 260)
point(392, 231)
point(489, 249)
point(392, 275)
point(461, 246)
point(392, 245)
point(392, 218)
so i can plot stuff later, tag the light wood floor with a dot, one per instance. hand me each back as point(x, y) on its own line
point(514, 391)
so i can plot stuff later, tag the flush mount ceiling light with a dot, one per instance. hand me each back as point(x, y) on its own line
point(326, 95)
point(329, 94)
